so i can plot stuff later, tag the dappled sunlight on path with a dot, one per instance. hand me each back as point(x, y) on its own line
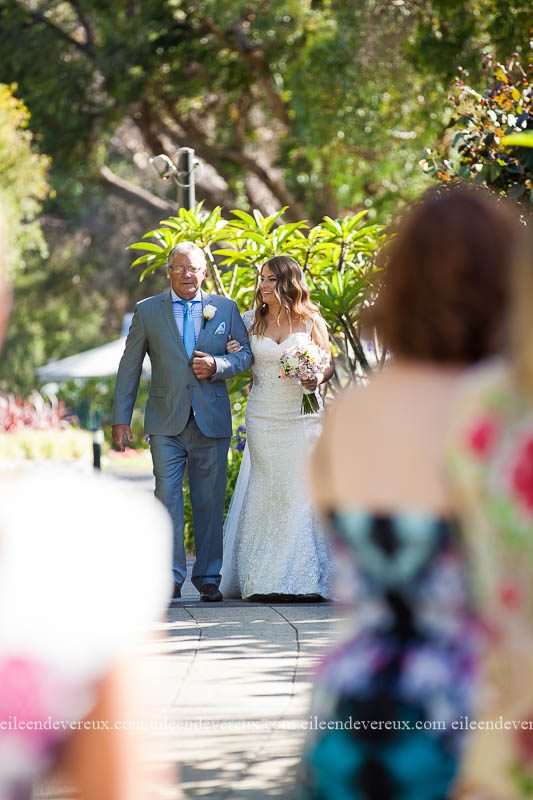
point(236, 680)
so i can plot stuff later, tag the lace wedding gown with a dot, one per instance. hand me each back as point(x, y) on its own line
point(273, 540)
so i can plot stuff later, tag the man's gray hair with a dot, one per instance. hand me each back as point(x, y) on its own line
point(189, 249)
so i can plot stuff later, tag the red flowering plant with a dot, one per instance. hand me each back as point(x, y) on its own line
point(34, 412)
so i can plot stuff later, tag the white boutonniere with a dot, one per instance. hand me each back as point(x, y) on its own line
point(209, 312)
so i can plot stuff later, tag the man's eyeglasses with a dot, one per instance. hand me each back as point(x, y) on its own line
point(183, 270)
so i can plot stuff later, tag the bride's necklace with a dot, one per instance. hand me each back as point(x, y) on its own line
point(274, 322)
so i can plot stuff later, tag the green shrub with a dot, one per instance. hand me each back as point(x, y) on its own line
point(478, 144)
point(337, 258)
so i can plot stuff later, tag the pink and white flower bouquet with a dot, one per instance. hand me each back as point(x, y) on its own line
point(301, 362)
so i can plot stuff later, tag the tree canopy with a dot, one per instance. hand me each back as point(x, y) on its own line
point(23, 177)
point(324, 106)
point(314, 105)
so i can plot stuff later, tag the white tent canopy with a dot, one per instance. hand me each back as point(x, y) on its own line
point(99, 362)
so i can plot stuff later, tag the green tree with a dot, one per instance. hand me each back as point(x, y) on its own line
point(23, 188)
point(23, 178)
point(477, 144)
point(315, 105)
point(323, 106)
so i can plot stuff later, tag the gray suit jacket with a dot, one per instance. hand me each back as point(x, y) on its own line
point(174, 387)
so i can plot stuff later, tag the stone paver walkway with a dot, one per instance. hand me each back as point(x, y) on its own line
point(233, 681)
point(236, 680)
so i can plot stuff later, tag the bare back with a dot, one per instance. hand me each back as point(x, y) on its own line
point(383, 445)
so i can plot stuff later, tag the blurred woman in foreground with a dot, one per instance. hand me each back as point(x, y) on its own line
point(406, 671)
point(491, 461)
point(84, 568)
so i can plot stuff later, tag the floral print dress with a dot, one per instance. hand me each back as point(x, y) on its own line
point(491, 464)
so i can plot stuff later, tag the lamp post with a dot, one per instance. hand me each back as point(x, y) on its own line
point(95, 426)
point(183, 174)
point(98, 440)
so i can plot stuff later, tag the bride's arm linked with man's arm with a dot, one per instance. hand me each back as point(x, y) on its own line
point(319, 335)
point(239, 358)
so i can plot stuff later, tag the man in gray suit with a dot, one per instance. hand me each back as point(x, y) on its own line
point(188, 417)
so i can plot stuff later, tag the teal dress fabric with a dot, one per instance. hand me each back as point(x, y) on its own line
point(389, 701)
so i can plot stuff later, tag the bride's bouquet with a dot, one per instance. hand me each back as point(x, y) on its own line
point(301, 362)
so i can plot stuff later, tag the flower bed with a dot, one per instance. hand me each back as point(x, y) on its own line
point(36, 445)
point(34, 429)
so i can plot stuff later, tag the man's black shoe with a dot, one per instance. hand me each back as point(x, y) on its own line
point(177, 592)
point(209, 593)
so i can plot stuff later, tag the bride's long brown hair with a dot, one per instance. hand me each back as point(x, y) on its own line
point(291, 293)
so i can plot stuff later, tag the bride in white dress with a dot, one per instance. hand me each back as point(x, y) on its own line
point(275, 547)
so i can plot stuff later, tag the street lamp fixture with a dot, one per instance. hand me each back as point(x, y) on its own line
point(183, 174)
point(164, 166)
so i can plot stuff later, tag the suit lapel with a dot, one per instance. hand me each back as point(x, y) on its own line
point(205, 325)
point(171, 322)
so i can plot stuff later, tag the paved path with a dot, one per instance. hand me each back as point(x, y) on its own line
point(234, 682)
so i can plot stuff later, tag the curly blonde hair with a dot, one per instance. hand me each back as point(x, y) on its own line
point(291, 291)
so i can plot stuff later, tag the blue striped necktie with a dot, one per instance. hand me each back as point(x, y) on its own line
point(188, 336)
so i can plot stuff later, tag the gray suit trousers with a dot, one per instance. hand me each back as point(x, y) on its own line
point(206, 458)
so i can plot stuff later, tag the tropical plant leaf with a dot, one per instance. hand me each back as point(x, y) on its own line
point(237, 248)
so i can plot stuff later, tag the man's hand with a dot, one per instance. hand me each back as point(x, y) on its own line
point(119, 433)
point(203, 365)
